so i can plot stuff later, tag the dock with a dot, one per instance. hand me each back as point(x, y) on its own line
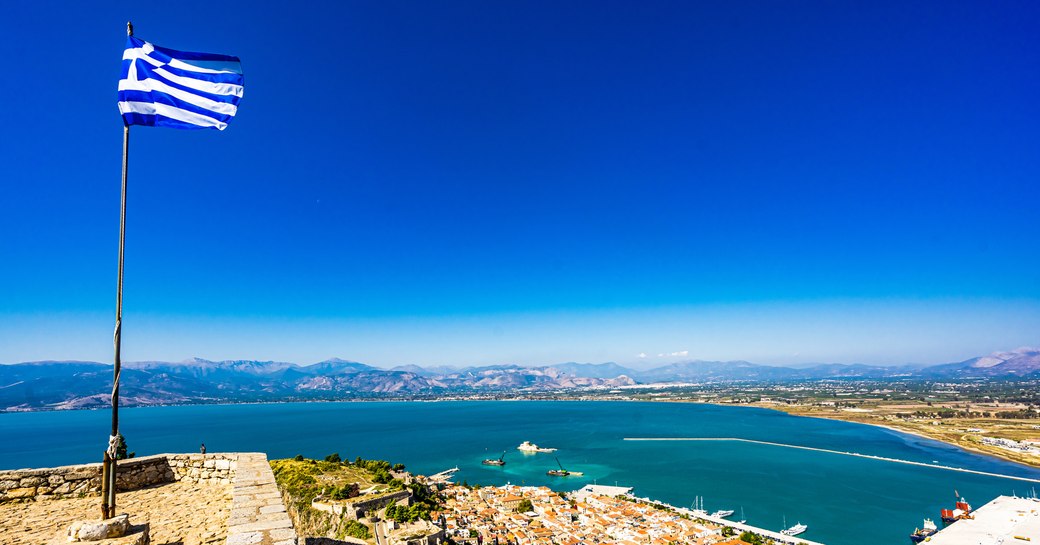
point(1006, 519)
point(770, 534)
point(443, 476)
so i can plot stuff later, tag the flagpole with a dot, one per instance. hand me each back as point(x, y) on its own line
point(108, 473)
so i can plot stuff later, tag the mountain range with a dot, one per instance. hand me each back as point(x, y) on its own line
point(78, 384)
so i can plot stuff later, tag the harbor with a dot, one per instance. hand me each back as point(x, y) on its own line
point(1004, 520)
point(768, 482)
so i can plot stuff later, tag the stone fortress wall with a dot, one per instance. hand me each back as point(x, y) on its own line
point(133, 473)
point(257, 512)
point(356, 508)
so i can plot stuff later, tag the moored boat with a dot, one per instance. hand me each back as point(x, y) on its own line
point(500, 461)
point(562, 472)
point(795, 530)
point(961, 510)
point(927, 529)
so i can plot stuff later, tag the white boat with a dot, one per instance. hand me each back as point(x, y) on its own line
point(528, 446)
point(722, 513)
point(795, 530)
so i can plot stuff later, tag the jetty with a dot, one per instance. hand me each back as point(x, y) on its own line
point(443, 476)
point(843, 453)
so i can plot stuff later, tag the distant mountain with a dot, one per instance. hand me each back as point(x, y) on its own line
point(67, 385)
point(336, 366)
point(79, 384)
point(1023, 362)
point(204, 368)
point(594, 370)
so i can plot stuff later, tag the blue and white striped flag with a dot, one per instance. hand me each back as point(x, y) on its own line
point(179, 89)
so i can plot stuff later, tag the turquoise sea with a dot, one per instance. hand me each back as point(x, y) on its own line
point(844, 500)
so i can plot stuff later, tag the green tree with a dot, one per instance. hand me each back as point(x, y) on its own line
point(354, 528)
point(524, 506)
point(350, 490)
point(121, 453)
point(334, 457)
point(381, 477)
point(752, 538)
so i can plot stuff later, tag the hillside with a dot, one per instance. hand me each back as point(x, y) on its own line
point(78, 384)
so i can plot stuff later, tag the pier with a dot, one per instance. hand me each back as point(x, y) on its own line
point(843, 453)
point(443, 476)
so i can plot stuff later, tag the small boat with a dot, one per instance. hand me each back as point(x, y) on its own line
point(795, 530)
point(562, 472)
point(920, 534)
point(528, 446)
point(495, 462)
point(722, 513)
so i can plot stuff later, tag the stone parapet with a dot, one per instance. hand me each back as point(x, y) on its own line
point(132, 474)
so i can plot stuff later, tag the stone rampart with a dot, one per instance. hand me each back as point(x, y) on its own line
point(134, 473)
point(360, 509)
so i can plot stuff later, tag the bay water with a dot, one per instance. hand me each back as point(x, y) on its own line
point(844, 500)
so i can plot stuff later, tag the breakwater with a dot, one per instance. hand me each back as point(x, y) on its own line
point(843, 453)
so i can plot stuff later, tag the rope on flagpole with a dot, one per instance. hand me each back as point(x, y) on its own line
point(108, 472)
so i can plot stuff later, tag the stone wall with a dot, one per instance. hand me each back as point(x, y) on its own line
point(219, 467)
point(27, 484)
point(85, 480)
point(421, 532)
point(360, 509)
point(330, 541)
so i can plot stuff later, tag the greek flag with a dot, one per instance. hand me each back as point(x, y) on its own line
point(179, 89)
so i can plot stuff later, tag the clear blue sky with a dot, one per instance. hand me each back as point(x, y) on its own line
point(493, 182)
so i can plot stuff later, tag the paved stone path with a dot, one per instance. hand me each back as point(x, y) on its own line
point(180, 513)
point(258, 515)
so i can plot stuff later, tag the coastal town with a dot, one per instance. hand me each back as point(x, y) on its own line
point(540, 516)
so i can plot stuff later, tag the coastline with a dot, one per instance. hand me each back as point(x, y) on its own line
point(864, 418)
point(1001, 454)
